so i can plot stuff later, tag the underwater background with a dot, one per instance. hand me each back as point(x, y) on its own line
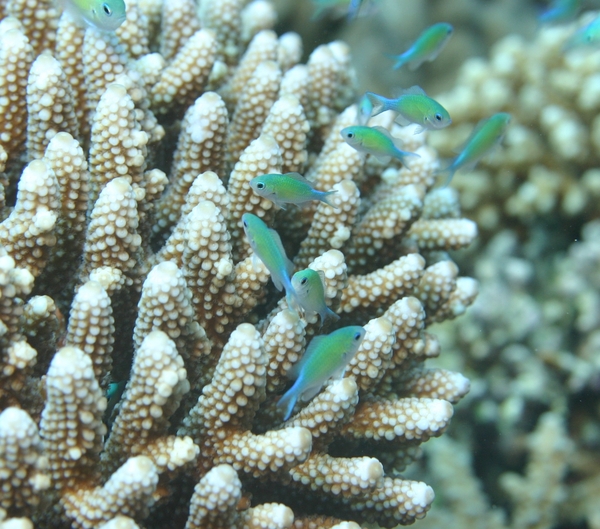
point(522, 449)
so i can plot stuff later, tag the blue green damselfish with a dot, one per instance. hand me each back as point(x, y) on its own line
point(485, 136)
point(413, 105)
point(106, 15)
point(326, 356)
point(310, 288)
point(268, 248)
point(427, 47)
point(376, 141)
point(289, 188)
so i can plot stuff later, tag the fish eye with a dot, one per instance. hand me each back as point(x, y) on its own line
point(245, 224)
point(260, 185)
point(350, 134)
point(357, 336)
point(304, 280)
point(107, 10)
point(438, 117)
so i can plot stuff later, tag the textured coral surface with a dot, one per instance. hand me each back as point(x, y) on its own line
point(143, 348)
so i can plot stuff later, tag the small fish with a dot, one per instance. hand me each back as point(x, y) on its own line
point(268, 248)
point(364, 110)
point(310, 287)
point(324, 5)
point(326, 356)
point(427, 47)
point(289, 188)
point(354, 8)
point(113, 395)
point(106, 15)
point(487, 133)
point(561, 11)
point(588, 35)
point(413, 106)
point(376, 141)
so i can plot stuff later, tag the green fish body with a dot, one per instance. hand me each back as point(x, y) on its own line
point(376, 141)
point(588, 35)
point(106, 15)
point(310, 288)
point(413, 106)
point(289, 188)
point(427, 46)
point(268, 248)
point(486, 135)
point(326, 356)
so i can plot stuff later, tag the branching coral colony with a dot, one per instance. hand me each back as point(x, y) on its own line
point(89, 122)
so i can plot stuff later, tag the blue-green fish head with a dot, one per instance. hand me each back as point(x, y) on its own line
point(106, 15)
point(310, 289)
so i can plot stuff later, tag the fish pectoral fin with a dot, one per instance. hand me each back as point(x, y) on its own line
point(419, 129)
point(402, 121)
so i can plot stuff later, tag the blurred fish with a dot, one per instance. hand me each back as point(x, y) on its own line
point(113, 395)
point(364, 110)
point(413, 106)
point(354, 8)
point(268, 248)
point(588, 35)
point(289, 188)
point(326, 356)
point(427, 47)
point(487, 134)
point(324, 5)
point(376, 141)
point(310, 288)
point(106, 15)
point(561, 11)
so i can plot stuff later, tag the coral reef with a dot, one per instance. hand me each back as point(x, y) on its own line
point(142, 349)
point(530, 341)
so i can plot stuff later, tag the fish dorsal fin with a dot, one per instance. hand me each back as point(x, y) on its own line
point(413, 91)
point(383, 131)
point(299, 178)
point(278, 242)
point(289, 266)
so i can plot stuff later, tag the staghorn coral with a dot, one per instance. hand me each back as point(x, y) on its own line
point(155, 288)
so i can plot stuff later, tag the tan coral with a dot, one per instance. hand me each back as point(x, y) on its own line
point(22, 464)
point(183, 80)
point(199, 149)
point(50, 105)
point(158, 382)
point(16, 57)
point(28, 233)
point(179, 22)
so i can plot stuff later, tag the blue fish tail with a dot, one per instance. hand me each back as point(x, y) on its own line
point(288, 401)
point(323, 197)
point(449, 171)
point(380, 103)
point(401, 59)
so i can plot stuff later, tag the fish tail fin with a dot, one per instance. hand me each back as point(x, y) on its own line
point(324, 197)
point(288, 401)
point(399, 60)
point(380, 103)
point(449, 171)
point(401, 154)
